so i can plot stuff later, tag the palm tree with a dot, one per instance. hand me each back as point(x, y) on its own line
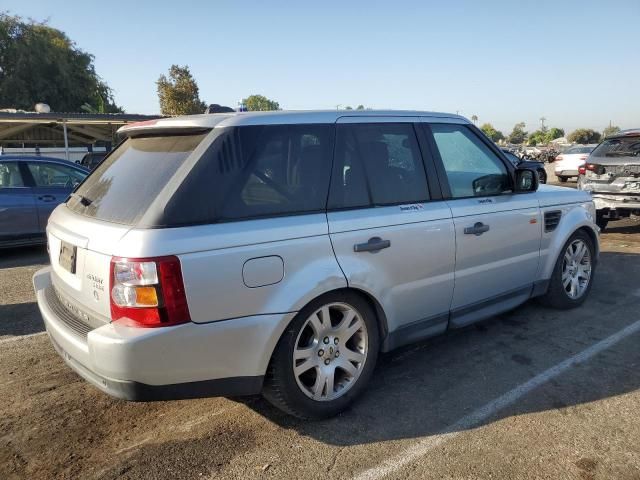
point(474, 118)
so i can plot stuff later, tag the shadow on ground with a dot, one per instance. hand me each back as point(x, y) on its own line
point(422, 389)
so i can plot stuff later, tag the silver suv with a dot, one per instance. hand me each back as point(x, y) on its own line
point(612, 175)
point(280, 252)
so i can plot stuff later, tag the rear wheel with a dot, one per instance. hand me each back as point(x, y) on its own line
point(573, 273)
point(542, 176)
point(601, 221)
point(325, 358)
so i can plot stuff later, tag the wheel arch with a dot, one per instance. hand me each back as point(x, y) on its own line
point(572, 221)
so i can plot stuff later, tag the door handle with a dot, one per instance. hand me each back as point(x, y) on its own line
point(373, 245)
point(478, 229)
point(47, 198)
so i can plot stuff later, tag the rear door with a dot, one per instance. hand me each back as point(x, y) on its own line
point(18, 214)
point(497, 232)
point(392, 235)
point(53, 183)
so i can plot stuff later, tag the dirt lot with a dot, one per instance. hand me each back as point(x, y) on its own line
point(534, 393)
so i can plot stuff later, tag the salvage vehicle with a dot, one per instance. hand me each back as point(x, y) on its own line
point(281, 252)
point(612, 176)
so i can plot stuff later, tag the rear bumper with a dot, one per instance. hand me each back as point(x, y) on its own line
point(185, 361)
point(616, 202)
point(566, 173)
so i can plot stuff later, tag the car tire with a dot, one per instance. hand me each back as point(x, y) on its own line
point(542, 176)
point(601, 221)
point(301, 387)
point(563, 179)
point(557, 295)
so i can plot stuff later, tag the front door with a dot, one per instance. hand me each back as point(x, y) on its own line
point(390, 238)
point(497, 232)
point(53, 183)
point(18, 214)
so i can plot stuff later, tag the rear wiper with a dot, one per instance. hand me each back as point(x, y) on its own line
point(83, 200)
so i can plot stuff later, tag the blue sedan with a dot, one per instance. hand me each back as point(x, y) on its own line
point(30, 188)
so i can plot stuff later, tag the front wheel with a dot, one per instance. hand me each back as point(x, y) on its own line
point(573, 273)
point(325, 357)
point(563, 179)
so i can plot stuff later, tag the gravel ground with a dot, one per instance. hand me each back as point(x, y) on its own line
point(582, 423)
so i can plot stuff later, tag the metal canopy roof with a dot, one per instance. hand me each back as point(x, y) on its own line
point(31, 128)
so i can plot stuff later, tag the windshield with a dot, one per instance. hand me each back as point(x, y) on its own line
point(579, 150)
point(618, 147)
point(122, 188)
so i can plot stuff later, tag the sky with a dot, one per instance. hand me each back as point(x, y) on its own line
point(573, 62)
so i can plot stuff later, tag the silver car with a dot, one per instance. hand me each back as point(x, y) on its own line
point(280, 252)
point(612, 176)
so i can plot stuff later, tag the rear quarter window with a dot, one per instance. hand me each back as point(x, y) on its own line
point(256, 171)
point(122, 188)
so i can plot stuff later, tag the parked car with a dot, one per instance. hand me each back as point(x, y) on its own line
point(92, 159)
point(30, 188)
point(568, 162)
point(538, 167)
point(281, 252)
point(612, 175)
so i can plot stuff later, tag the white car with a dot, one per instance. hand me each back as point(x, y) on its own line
point(568, 163)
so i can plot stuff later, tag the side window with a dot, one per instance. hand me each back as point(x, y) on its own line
point(257, 171)
point(472, 168)
point(377, 164)
point(10, 176)
point(54, 175)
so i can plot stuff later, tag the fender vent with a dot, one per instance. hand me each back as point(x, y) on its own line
point(551, 220)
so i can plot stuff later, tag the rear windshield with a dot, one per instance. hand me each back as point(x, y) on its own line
point(619, 147)
point(122, 188)
point(579, 150)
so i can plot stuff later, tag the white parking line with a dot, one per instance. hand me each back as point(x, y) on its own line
point(21, 337)
point(422, 447)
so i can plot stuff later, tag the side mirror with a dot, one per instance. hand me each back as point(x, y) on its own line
point(526, 180)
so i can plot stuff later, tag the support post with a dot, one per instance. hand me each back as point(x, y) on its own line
point(66, 140)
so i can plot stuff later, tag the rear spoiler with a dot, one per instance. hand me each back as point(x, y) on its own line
point(177, 125)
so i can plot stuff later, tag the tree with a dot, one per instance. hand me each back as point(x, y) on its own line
point(348, 107)
point(360, 107)
point(584, 136)
point(544, 136)
point(518, 134)
point(536, 138)
point(610, 130)
point(553, 133)
point(260, 103)
point(39, 63)
point(474, 118)
point(491, 132)
point(179, 94)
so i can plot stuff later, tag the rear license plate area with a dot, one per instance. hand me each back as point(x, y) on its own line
point(67, 258)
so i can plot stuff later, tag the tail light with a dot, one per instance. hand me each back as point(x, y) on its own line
point(592, 167)
point(147, 292)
